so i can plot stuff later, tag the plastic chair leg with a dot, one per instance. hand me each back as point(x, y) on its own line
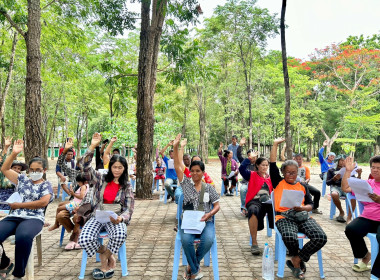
point(214, 256)
point(59, 190)
point(281, 258)
point(269, 230)
point(332, 209)
point(177, 254)
point(166, 196)
point(237, 188)
point(83, 265)
point(320, 263)
point(323, 187)
point(222, 189)
point(62, 235)
point(123, 260)
point(276, 250)
point(374, 250)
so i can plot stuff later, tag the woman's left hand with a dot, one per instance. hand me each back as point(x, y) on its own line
point(116, 221)
point(299, 209)
point(205, 217)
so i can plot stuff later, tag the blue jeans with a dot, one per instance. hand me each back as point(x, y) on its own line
point(177, 193)
point(243, 194)
point(206, 241)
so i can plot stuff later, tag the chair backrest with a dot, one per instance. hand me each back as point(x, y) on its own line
point(274, 212)
point(360, 205)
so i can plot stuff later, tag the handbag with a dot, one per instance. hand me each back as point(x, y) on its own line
point(295, 216)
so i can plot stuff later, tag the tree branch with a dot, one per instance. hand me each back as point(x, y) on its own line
point(324, 134)
point(12, 23)
point(50, 3)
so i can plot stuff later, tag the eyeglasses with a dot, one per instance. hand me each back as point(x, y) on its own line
point(291, 173)
point(375, 168)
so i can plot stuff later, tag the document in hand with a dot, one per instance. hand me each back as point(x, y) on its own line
point(343, 170)
point(191, 222)
point(361, 189)
point(291, 198)
point(232, 174)
point(103, 217)
point(15, 197)
point(170, 164)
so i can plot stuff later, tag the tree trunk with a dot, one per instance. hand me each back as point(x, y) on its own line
point(150, 36)
point(331, 140)
point(309, 146)
point(288, 135)
point(202, 122)
point(33, 135)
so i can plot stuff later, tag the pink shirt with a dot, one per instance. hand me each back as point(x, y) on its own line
point(372, 209)
point(77, 200)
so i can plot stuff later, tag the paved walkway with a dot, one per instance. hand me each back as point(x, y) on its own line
point(150, 244)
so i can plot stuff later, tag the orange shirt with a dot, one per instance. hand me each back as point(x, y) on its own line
point(283, 185)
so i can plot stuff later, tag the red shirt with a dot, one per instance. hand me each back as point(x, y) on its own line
point(110, 192)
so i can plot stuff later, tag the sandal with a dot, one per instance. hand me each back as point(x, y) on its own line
point(361, 266)
point(297, 272)
point(97, 274)
point(6, 271)
point(70, 246)
point(109, 273)
point(255, 250)
point(340, 219)
point(77, 246)
point(302, 265)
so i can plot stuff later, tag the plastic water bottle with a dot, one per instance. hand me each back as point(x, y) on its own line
point(268, 263)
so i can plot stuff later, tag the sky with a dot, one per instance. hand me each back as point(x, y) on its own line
point(316, 24)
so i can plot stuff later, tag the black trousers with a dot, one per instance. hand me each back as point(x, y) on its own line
point(315, 193)
point(355, 232)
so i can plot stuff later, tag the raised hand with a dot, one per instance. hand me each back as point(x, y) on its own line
point(8, 141)
point(221, 145)
point(171, 142)
point(184, 142)
point(325, 143)
point(176, 141)
point(96, 139)
point(69, 143)
point(18, 146)
point(242, 141)
point(113, 139)
point(253, 154)
point(350, 164)
point(278, 140)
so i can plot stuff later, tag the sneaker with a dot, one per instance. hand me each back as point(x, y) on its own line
point(316, 211)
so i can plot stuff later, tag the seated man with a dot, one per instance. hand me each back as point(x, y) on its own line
point(326, 163)
point(304, 177)
point(171, 176)
point(334, 180)
point(68, 161)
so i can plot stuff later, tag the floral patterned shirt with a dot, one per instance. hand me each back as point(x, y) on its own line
point(31, 192)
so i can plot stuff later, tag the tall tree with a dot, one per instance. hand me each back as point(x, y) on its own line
point(288, 135)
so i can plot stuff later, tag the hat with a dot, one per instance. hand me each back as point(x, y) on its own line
point(340, 157)
point(331, 154)
point(23, 165)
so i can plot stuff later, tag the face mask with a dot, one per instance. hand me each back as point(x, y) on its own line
point(35, 176)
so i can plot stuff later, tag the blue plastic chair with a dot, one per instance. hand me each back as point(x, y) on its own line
point(133, 184)
point(122, 255)
point(269, 232)
point(371, 236)
point(223, 188)
point(166, 193)
point(178, 246)
point(333, 207)
point(280, 248)
point(64, 195)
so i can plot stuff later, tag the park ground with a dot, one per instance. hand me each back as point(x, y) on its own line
point(150, 242)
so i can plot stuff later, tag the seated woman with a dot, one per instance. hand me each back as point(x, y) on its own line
point(111, 192)
point(66, 209)
point(334, 180)
point(259, 189)
point(287, 227)
point(192, 189)
point(229, 165)
point(369, 220)
point(26, 218)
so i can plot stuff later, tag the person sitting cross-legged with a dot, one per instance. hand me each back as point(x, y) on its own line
point(259, 190)
point(368, 221)
point(289, 227)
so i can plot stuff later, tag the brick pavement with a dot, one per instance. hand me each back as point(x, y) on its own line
point(150, 244)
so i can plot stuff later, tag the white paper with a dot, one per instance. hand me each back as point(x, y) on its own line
point(171, 164)
point(15, 197)
point(103, 171)
point(361, 188)
point(291, 198)
point(103, 217)
point(343, 170)
point(191, 221)
point(268, 201)
point(231, 174)
point(206, 197)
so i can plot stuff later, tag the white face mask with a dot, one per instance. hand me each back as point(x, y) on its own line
point(35, 176)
